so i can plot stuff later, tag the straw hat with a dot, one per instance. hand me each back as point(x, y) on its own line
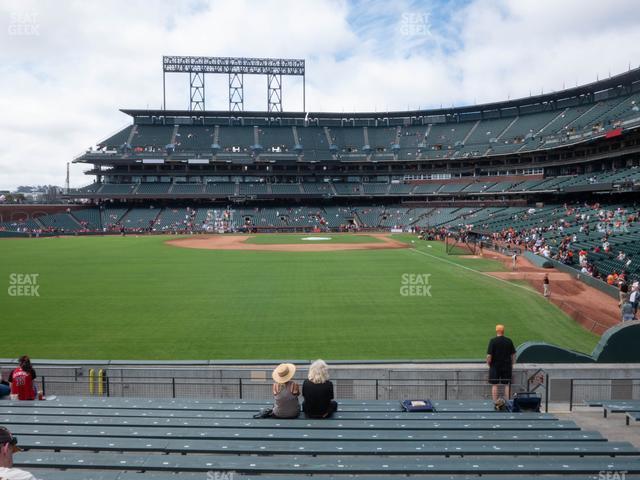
point(283, 372)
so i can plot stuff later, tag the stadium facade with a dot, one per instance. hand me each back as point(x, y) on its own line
point(481, 166)
point(585, 136)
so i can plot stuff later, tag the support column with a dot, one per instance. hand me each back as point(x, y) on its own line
point(196, 87)
point(236, 92)
point(274, 93)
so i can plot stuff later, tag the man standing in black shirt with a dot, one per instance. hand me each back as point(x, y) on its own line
point(501, 356)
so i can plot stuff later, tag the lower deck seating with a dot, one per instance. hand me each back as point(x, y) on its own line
point(140, 218)
point(110, 217)
point(124, 438)
point(60, 221)
point(21, 225)
point(173, 219)
point(88, 217)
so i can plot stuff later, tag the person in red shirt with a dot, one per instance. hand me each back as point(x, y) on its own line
point(22, 380)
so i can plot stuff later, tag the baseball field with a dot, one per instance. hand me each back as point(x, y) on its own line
point(264, 297)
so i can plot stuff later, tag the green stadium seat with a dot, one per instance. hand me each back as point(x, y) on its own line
point(155, 438)
point(302, 464)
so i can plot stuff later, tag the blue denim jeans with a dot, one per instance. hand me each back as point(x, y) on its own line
point(5, 390)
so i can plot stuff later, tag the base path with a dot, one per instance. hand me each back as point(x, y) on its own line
point(238, 242)
point(594, 310)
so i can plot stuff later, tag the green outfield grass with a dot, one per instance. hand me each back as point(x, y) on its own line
point(289, 239)
point(138, 298)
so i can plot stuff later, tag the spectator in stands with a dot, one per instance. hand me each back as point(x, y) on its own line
point(582, 257)
point(5, 387)
point(623, 294)
point(22, 380)
point(545, 286)
point(285, 392)
point(501, 355)
point(317, 391)
point(634, 298)
point(9, 446)
point(626, 307)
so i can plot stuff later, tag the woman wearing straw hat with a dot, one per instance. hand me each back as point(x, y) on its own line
point(285, 391)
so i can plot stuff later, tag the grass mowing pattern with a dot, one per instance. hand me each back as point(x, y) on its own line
point(137, 298)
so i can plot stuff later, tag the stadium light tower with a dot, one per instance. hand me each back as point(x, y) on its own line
point(235, 68)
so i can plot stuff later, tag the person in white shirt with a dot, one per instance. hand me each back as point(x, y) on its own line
point(9, 446)
point(634, 298)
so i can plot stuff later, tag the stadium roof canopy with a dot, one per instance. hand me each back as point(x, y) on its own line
point(616, 85)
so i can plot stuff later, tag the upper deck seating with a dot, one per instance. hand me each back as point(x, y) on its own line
point(118, 139)
point(153, 137)
point(194, 138)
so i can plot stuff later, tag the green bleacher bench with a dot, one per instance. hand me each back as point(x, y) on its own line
point(406, 416)
point(119, 475)
point(304, 464)
point(280, 447)
point(635, 416)
point(300, 424)
point(619, 409)
point(616, 406)
point(242, 405)
point(47, 474)
point(301, 434)
point(165, 439)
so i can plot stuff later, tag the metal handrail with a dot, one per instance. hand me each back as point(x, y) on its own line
point(577, 384)
point(365, 389)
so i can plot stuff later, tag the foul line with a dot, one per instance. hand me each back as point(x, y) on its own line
point(528, 289)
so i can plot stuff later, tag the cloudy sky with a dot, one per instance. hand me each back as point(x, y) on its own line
point(66, 67)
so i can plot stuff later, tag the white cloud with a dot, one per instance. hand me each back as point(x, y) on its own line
point(62, 88)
